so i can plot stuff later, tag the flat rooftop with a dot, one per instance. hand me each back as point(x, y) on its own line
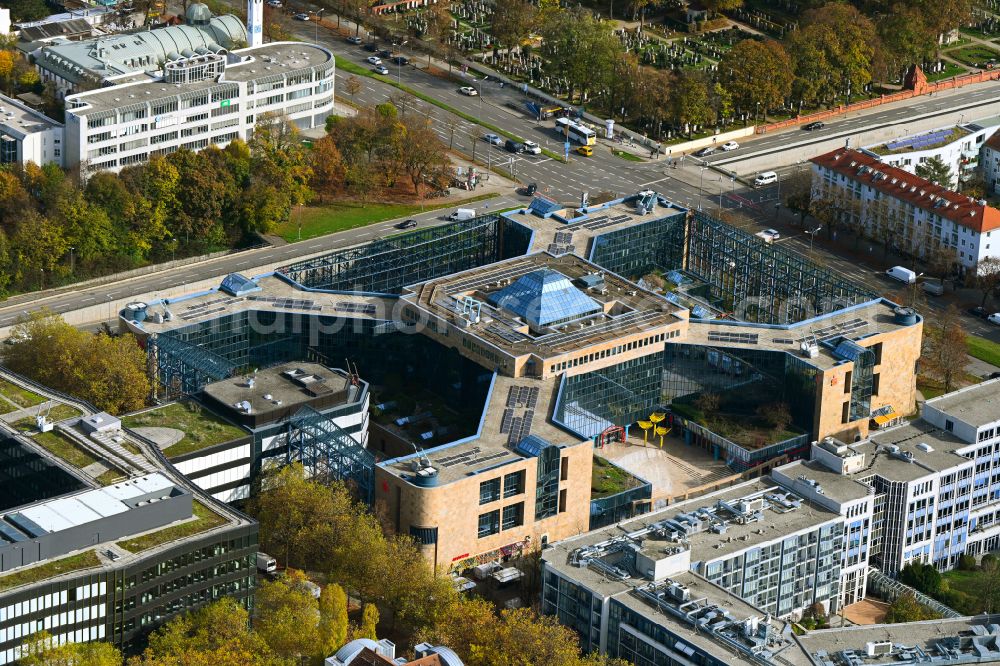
point(855, 324)
point(970, 640)
point(257, 63)
point(16, 119)
point(622, 307)
point(279, 388)
point(978, 405)
point(775, 522)
point(838, 487)
point(515, 409)
point(560, 229)
point(912, 461)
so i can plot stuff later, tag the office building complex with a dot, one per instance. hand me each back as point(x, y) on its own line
point(132, 96)
point(918, 216)
point(504, 347)
point(112, 550)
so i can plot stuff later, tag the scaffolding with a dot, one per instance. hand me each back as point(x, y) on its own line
point(327, 451)
point(763, 282)
point(385, 266)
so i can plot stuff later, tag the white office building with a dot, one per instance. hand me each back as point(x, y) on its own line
point(28, 136)
point(198, 101)
point(921, 216)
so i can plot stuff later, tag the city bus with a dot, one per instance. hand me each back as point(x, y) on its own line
point(576, 132)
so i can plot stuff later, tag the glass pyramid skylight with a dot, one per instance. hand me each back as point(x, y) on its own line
point(545, 297)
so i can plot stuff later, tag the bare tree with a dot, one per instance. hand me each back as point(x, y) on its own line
point(946, 355)
point(988, 277)
point(352, 86)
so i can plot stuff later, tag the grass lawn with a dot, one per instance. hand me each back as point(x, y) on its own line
point(84, 560)
point(929, 388)
point(626, 156)
point(201, 427)
point(950, 70)
point(108, 477)
point(967, 585)
point(59, 445)
point(331, 218)
point(975, 32)
point(975, 55)
point(20, 396)
point(205, 519)
point(607, 479)
point(983, 349)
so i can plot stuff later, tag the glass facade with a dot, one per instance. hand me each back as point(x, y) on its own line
point(574, 606)
point(763, 282)
point(657, 646)
point(621, 506)
point(862, 380)
point(547, 483)
point(26, 476)
point(385, 266)
point(545, 298)
point(619, 394)
point(641, 248)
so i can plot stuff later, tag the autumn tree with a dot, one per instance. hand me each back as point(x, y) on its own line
point(946, 353)
point(369, 623)
point(287, 617)
point(352, 86)
point(41, 650)
point(757, 74)
point(689, 103)
point(937, 171)
point(217, 635)
point(327, 167)
point(108, 372)
point(333, 622)
point(906, 608)
point(422, 153)
point(511, 23)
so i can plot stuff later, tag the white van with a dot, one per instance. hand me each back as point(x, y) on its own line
point(266, 563)
point(904, 275)
point(765, 178)
point(462, 214)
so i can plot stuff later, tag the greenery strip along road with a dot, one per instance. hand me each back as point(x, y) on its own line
point(340, 216)
point(354, 68)
point(983, 349)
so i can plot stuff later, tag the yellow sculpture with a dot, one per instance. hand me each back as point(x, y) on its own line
point(661, 431)
point(645, 425)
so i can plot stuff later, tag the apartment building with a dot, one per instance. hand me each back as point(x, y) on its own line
point(915, 215)
point(958, 146)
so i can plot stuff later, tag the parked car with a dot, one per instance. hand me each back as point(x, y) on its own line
point(375, 60)
point(301, 16)
point(468, 90)
point(532, 148)
point(371, 46)
point(933, 288)
point(729, 145)
point(513, 146)
point(400, 60)
point(765, 178)
point(586, 151)
point(354, 40)
point(492, 139)
point(994, 318)
point(385, 53)
point(815, 125)
point(705, 152)
point(978, 312)
point(406, 224)
point(381, 69)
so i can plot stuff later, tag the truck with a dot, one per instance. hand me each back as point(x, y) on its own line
point(462, 214)
point(266, 563)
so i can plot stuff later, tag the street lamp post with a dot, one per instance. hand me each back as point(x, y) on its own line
point(812, 237)
point(318, 16)
point(399, 63)
point(701, 185)
point(720, 193)
point(72, 261)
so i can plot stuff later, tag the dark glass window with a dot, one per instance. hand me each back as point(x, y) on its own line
point(489, 523)
point(489, 491)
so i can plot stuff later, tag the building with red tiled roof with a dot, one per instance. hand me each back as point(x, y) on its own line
point(916, 215)
point(366, 652)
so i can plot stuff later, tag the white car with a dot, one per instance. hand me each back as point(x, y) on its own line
point(301, 16)
point(273, 3)
point(772, 233)
point(381, 69)
point(994, 318)
point(468, 90)
point(730, 145)
point(493, 139)
point(532, 147)
point(374, 60)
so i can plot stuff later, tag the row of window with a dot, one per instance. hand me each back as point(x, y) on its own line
point(513, 484)
point(492, 522)
point(605, 353)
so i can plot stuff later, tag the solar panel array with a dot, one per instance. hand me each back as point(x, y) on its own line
point(555, 249)
point(356, 308)
point(564, 237)
point(841, 328)
point(739, 338)
point(920, 141)
point(519, 427)
point(457, 459)
point(507, 334)
point(784, 341)
point(194, 315)
point(290, 303)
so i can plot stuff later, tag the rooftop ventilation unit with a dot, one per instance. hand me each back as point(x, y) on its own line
point(925, 447)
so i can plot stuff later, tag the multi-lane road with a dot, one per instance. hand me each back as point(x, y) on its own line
point(690, 183)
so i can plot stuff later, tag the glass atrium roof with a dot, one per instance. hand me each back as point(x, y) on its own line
point(545, 297)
